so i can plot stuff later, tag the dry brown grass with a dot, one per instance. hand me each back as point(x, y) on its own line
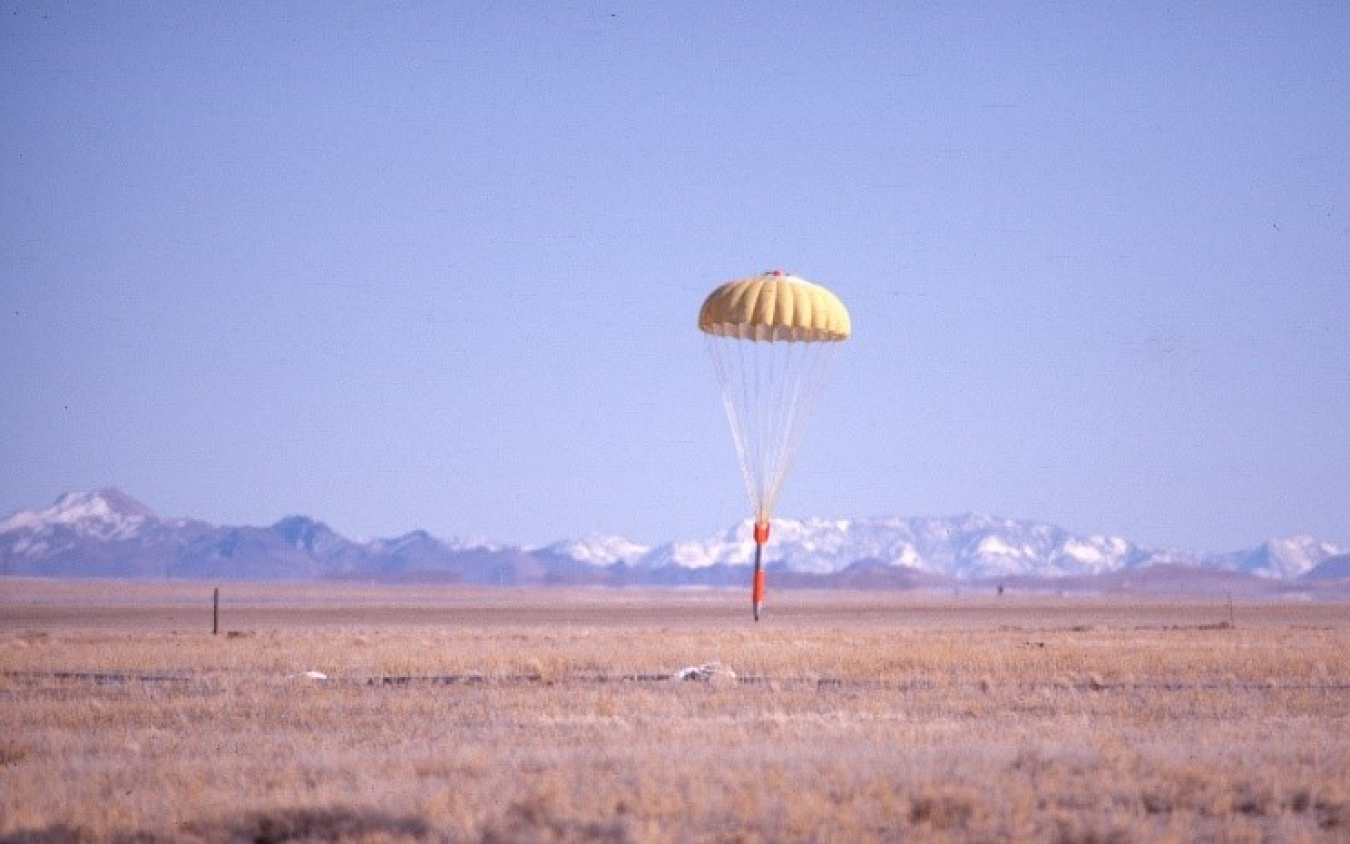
point(511, 716)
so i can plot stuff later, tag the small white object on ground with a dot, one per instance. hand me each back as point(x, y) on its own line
point(709, 672)
point(316, 675)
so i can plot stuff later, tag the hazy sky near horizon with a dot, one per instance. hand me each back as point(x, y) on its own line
point(437, 266)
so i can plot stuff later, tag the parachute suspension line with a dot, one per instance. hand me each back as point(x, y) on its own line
point(769, 390)
point(767, 410)
point(734, 382)
point(743, 405)
point(814, 367)
point(749, 407)
point(797, 357)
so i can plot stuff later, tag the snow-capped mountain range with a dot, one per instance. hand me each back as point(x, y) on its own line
point(973, 545)
point(107, 533)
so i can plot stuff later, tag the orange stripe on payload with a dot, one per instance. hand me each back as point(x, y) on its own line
point(761, 533)
point(757, 594)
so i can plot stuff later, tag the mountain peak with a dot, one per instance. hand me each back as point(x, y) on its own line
point(1288, 556)
point(106, 512)
point(304, 533)
point(102, 503)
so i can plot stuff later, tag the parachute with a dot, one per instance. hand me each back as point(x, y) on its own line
point(771, 338)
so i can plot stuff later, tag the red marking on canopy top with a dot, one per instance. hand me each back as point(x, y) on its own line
point(775, 272)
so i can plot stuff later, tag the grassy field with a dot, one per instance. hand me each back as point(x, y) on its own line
point(547, 716)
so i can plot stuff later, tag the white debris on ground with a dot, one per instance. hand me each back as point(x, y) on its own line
point(709, 672)
point(315, 675)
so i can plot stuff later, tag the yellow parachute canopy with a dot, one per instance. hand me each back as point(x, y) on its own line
point(774, 306)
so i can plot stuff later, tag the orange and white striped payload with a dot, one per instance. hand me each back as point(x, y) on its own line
point(772, 338)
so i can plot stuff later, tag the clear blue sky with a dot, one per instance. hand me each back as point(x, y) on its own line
point(438, 266)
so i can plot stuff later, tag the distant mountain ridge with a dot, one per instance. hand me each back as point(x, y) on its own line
point(107, 533)
point(972, 546)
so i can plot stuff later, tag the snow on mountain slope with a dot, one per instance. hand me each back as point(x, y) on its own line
point(971, 545)
point(107, 514)
point(599, 549)
point(1287, 557)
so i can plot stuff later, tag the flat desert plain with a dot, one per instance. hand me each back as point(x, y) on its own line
point(443, 714)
